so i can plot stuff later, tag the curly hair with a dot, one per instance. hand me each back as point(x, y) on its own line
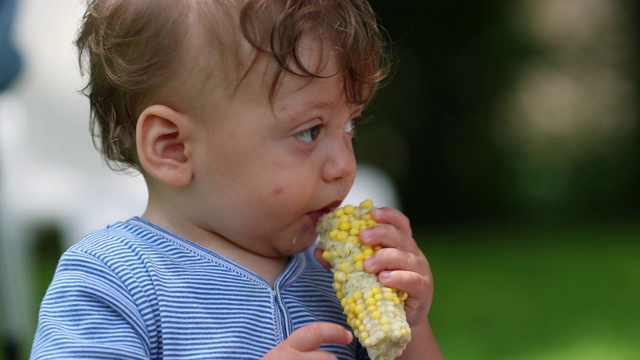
point(141, 52)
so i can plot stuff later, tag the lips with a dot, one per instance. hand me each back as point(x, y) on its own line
point(316, 215)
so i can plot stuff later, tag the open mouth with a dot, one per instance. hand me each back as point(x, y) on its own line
point(316, 215)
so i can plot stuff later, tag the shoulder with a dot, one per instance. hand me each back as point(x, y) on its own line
point(108, 266)
point(118, 234)
point(119, 241)
point(118, 252)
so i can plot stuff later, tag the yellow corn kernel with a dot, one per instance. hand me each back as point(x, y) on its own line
point(346, 267)
point(367, 204)
point(370, 301)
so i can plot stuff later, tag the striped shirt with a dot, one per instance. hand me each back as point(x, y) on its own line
point(137, 291)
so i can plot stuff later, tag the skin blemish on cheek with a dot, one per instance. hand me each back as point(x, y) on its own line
point(278, 190)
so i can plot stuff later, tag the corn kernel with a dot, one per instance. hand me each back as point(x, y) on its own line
point(366, 204)
point(364, 336)
point(370, 301)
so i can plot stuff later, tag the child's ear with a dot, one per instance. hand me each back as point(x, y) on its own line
point(162, 141)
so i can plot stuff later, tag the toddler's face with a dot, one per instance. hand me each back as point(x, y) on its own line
point(265, 172)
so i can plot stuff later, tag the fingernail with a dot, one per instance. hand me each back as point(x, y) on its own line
point(384, 275)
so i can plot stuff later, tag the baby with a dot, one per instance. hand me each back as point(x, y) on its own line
point(240, 117)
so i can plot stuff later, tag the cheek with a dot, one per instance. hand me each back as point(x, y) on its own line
point(277, 190)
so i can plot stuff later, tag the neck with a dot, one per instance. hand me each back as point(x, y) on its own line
point(269, 268)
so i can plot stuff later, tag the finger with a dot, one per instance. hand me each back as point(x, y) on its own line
point(317, 253)
point(391, 216)
point(310, 337)
point(418, 288)
point(394, 259)
point(412, 283)
point(387, 235)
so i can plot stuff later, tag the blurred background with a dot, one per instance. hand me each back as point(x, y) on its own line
point(510, 132)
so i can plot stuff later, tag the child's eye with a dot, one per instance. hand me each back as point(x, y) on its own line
point(311, 134)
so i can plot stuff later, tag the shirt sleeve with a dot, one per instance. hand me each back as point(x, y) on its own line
point(89, 313)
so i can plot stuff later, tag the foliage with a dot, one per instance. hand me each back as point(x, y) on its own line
point(439, 130)
point(532, 294)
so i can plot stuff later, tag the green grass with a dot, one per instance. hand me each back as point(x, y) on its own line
point(532, 294)
point(526, 293)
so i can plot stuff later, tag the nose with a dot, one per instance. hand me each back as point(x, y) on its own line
point(340, 162)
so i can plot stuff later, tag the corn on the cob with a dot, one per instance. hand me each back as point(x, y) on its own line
point(375, 312)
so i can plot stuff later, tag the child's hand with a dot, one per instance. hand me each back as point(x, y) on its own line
point(304, 343)
point(400, 264)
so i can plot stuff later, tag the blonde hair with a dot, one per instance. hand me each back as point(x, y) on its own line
point(140, 52)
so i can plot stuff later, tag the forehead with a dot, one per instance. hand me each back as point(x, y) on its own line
point(315, 56)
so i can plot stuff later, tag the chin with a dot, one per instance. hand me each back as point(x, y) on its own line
point(301, 243)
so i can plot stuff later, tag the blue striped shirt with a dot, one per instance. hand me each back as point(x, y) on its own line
point(137, 291)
